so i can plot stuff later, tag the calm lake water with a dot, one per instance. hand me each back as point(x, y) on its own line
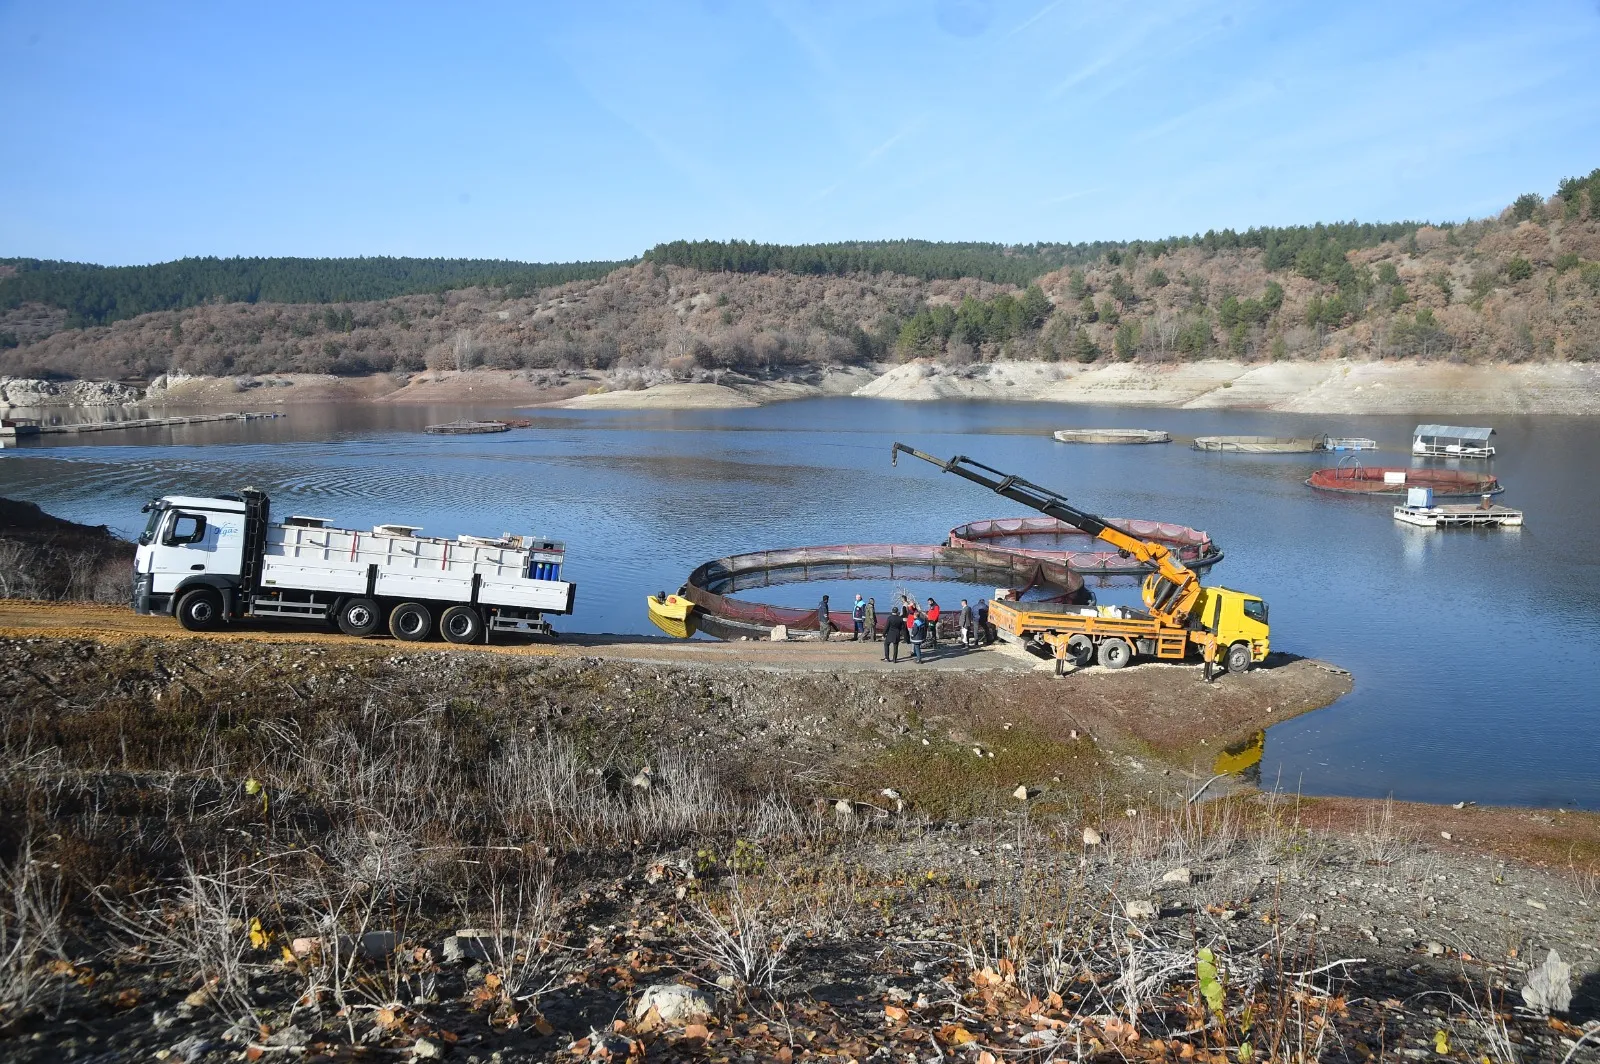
point(1476, 654)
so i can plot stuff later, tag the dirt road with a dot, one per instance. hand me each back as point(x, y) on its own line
point(106, 623)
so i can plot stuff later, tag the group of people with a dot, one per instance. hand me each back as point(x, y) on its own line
point(908, 623)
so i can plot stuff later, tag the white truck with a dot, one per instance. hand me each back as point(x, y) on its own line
point(209, 561)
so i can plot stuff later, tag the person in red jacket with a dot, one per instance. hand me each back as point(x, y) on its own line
point(933, 623)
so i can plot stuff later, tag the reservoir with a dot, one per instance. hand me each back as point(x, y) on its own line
point(1476, 654)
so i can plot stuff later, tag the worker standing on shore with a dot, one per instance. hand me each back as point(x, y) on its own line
point(858, 617)
point(965, 618)
point(824, 623)
point(872, 619)
point(983, 622)
point(933, 623)
point(893, 631)
point(919, 635)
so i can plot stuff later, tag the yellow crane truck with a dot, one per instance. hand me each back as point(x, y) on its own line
point(1181, 620)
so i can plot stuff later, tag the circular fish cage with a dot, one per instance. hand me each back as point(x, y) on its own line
point(1262, 444)
point(711, 585)
point(1356, 479)
point(1111, 436)
point(1047, 538)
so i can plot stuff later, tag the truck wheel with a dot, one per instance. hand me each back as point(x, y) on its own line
point(410, 621)
point(1238, 659)
point(359, 617)
point(200, 610)
point(1115, 653)
point(461, 624)
point(1080, 648)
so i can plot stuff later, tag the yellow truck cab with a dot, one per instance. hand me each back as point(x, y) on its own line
point(1234, 617)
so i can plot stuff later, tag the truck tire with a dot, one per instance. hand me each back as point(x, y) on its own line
point(1115, 653)
point(359, 617)
point(410, 621)
point(1238, 659)
point(200, 610)
point(461, 624)
point(1080, 648)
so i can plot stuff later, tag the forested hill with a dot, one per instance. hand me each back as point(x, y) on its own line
point(1014, 264)
point(99, 295)
point(1523, 285)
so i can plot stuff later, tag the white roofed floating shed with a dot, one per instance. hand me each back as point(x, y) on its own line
point(1452, 441)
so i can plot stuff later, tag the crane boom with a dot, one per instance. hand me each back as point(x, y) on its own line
point(1170, 593)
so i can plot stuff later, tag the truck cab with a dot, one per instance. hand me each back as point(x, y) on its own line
point(1234, 618)
point(188, 541)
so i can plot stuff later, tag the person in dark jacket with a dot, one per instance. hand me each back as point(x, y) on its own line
point(893, 631)
point(824, 622)
point(967, 638)
point(983, 622)
point(871, 619)
point(858, 618)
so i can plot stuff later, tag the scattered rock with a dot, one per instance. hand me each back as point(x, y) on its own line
point(675, 1004)
point(1139, 910)
point(199, 999)
point(1434, 949)
point(1549, 986)
point(780, 633)
point(1021, 794)
point(1536, 903)
point(1091, 837)
point(292, 1035)
point(1181, 876)
point(422, 1049)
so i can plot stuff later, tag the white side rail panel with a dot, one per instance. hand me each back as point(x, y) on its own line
point(412, 567)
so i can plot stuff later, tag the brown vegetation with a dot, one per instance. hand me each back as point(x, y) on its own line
point(223, 849)
point(45, 557)
point(1504, 289)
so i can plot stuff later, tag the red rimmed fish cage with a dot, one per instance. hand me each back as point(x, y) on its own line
point(712, 584)
point(1053, 540)
point(1353, 478)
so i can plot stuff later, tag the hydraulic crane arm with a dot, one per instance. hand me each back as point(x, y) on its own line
point(1171, 597)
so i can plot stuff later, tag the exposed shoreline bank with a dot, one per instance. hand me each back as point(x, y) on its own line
point(1339, 386)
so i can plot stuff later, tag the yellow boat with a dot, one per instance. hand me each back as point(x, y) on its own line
point(673, 614)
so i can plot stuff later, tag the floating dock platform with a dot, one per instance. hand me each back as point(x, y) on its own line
point(1349, 443)
point(1111, 436)
point(1260, 444)
point(158, 422)
point(1461, 515)
point(466, 428)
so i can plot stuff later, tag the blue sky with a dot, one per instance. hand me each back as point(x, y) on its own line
point(552, 132)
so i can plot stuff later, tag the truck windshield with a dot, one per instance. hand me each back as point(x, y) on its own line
point(149, 533)
point(1256, 610)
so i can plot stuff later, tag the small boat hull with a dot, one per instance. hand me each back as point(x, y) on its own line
point(673, 614)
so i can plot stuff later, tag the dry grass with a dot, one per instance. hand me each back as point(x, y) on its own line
point(30, 936)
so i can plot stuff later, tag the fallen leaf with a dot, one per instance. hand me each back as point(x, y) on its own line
point(697, 1032)
point(542, 1027)
point(895, 1014)
point(955, 1035)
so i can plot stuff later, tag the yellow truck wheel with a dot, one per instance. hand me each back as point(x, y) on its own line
point(1115, 653)
point(1238, 659)
point(1080, 648)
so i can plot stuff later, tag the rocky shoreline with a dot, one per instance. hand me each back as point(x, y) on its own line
point(1338, 386)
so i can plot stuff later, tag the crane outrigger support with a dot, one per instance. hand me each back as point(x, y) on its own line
point(1171, 592)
